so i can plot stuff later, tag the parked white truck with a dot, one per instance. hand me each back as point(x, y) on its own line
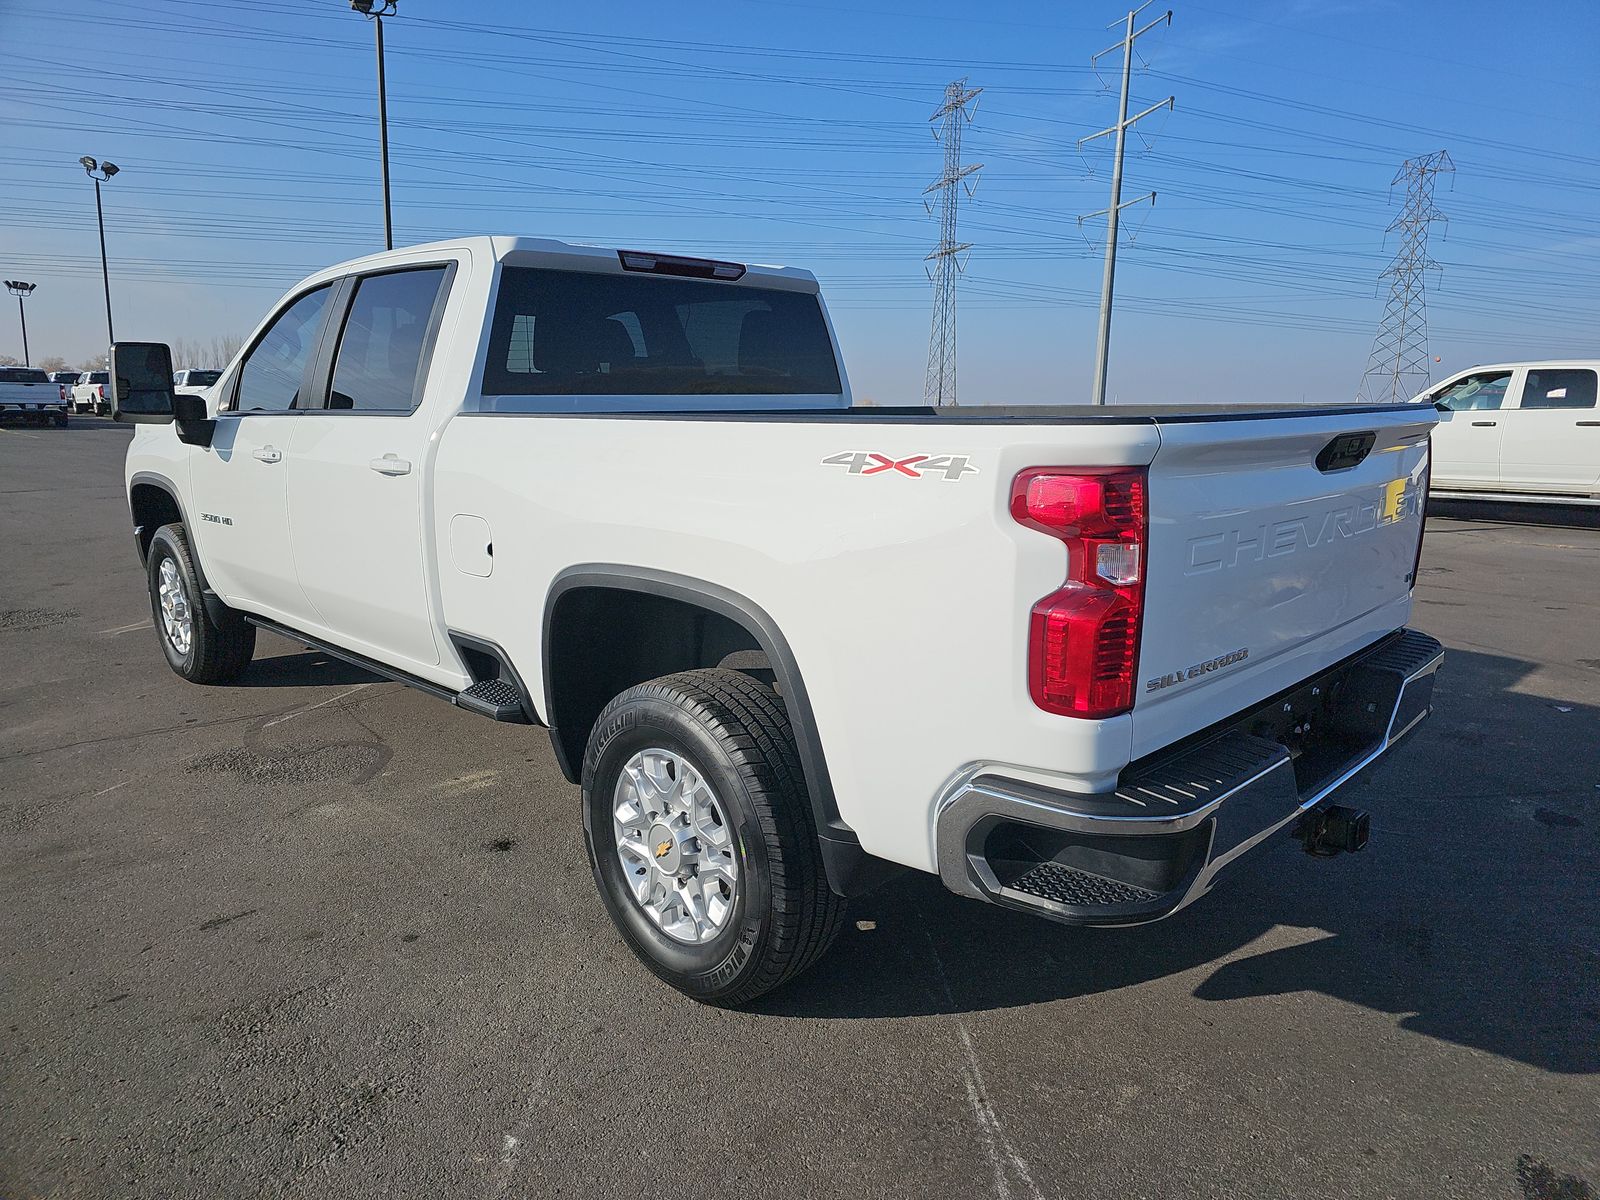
point(28, 393)
point(1074, 660)
point(1528, 431)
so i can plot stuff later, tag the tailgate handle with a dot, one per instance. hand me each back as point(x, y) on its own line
point(1484, 424)
point(1345, 451)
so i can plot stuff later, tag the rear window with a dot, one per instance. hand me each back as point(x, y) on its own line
point(22, 375)
point(1558, 388)
point(99, 377)
point(580, 334)
point(202, 378)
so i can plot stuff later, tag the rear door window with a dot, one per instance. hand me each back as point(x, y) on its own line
point(381, 360)
point(275, 368)
point(583, 334)
point(1558, 387)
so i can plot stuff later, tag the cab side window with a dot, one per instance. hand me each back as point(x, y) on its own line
point(274, 370)
point(1475, 393)
point(1556, 388)
point(380, 363)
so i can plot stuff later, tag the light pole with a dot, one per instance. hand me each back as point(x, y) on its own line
point(21, 291)
point(107, 170)
point(376, 13)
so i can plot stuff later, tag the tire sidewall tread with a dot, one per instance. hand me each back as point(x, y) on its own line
point(735, 730)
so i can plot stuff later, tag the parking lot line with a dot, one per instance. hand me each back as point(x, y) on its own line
point(127, 628)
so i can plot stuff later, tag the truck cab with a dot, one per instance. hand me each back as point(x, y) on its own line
point(1519, 428)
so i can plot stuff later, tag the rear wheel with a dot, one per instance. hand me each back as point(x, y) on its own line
point(60, 420)
point(701, 838)
point(199, 648)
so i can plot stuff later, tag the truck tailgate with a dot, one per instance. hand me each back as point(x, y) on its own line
point(1276, 549)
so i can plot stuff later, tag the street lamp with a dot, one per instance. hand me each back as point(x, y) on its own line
point(376, 12)
point(21, 291)
point(107, 170)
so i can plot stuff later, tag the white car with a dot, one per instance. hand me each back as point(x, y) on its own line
point(193, 382)
point(1529, 428)
point(1072, 660)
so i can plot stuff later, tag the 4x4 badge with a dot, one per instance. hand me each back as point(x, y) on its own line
point(951, 467)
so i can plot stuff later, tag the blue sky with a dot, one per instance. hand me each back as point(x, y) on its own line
point(798, 133)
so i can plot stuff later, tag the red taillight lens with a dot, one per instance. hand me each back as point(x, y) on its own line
point(1083, 640)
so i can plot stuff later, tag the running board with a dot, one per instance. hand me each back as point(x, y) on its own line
point(1552, 499)
point(497, 699)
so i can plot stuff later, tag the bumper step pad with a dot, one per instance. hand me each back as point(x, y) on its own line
point(1062, 884)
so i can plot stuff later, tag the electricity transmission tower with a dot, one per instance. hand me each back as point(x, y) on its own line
point(952, 116)
point(1400, 350)
point(1124, 123)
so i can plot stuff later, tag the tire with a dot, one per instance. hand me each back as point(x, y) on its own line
point(213, 652)
point(733, 733)
point(60, 420)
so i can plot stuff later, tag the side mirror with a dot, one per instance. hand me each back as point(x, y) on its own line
point(1442, 406)
point(195, 426)
point(141, 383)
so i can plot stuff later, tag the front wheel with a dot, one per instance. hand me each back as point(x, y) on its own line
point(199, 648)
point(701, 837)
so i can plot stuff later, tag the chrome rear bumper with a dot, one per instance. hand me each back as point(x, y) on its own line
point(1177, 819)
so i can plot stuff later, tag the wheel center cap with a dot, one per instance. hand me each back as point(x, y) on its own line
point(665, 849)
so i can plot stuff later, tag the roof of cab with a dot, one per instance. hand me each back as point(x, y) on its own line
point(529, 251)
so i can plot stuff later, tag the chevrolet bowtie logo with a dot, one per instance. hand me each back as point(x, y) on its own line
point(661, 850)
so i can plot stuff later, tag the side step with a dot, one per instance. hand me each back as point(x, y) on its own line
point(497, 699)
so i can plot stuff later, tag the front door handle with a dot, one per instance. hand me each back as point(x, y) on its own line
point(267, 454)
point(1586, 422)
point(390, 465)
point(1484, 424)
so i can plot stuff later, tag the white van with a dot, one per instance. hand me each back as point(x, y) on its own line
point(1530, 428)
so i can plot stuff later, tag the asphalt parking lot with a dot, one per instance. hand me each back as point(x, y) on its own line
point(322, 935)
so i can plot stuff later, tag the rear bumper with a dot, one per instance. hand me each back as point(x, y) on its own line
point(1180, 817)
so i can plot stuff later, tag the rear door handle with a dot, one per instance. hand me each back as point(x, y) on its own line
point(1484, 424)
point(1586, 422)
point(390, 465)
point(267, 454)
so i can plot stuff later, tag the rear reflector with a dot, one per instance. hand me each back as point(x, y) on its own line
point(690, 268)
point(1083, 638)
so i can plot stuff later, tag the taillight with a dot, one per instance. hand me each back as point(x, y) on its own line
point(1083, 639)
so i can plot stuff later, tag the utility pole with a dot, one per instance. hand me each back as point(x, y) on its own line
point(1124, 123)
point(376, 13)
point(952, 116)
point(1400, 349)
point(22, 291)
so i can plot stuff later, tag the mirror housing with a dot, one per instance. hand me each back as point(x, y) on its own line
point(1442, 406)
point(195, 426)
point(141, 383)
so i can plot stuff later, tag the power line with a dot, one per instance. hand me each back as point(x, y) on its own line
point(1400, 349)
point(953, 117)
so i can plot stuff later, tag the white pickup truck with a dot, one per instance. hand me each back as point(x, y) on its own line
point(89, 393)
point(1074, 660)
point(28, 392)
point(1526, 431)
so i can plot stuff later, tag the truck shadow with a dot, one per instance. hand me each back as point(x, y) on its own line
point(1471, 915)
point(309, 668)
point(1560, 516)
